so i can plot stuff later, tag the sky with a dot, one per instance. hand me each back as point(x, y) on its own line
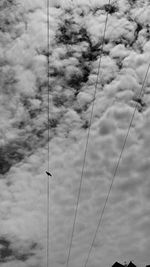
point(76, 34)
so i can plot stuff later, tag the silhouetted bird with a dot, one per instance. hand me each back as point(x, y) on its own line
point(48, 173)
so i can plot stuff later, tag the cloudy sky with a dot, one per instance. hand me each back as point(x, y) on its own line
point(76, 33)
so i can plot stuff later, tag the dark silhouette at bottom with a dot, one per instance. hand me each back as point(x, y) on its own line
point(131, 264)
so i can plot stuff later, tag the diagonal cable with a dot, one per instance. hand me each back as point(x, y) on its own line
point(86, 146)
point(116, 169)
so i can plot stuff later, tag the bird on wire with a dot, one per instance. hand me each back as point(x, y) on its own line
point(48, 173)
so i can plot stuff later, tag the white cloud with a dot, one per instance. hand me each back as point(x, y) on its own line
point(119, 51)
point(23, 133)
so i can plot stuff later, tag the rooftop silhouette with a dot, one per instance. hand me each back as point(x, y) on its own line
point(131, 264)
point(117, 264)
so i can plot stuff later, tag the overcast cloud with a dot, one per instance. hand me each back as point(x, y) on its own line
point(76, 33)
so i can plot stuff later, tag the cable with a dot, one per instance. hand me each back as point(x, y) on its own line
point(116, 168)
point(48, 118)
point(86, 146)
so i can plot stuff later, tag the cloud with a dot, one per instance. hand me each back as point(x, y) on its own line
point(76, 34)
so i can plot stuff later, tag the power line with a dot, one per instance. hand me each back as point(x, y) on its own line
point(116, 168)
point(86, 146)
point(48, 118)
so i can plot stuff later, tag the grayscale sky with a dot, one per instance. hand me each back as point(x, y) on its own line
point(76, 33)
